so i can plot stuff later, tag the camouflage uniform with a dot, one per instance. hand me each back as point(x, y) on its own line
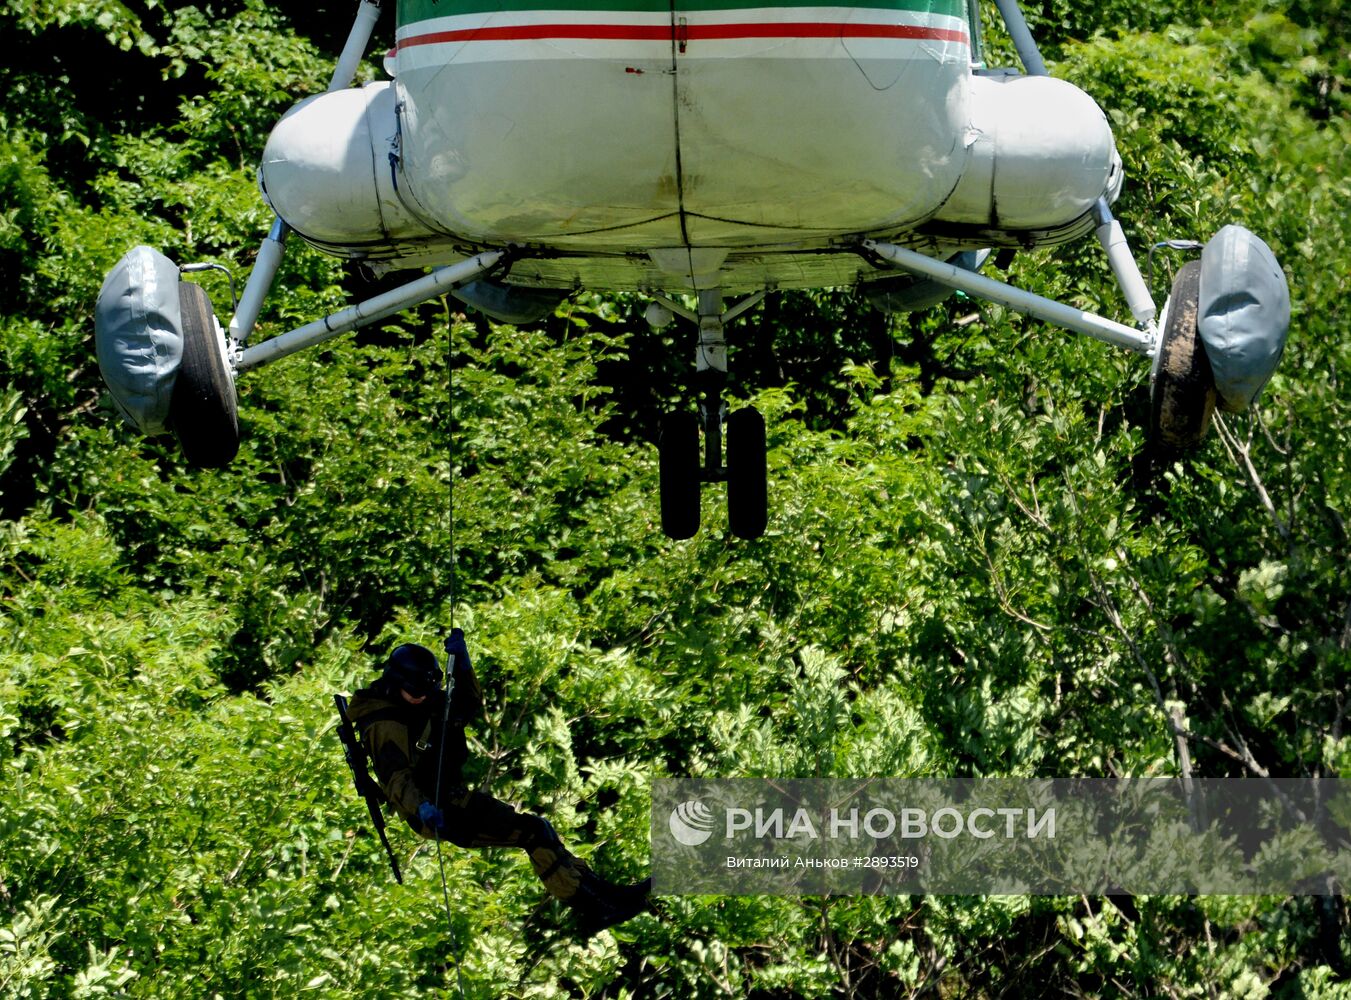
point(404, 742)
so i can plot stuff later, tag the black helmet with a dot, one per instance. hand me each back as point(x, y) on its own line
point(413, 668)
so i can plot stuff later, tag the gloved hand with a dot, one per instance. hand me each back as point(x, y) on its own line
point(466, 703)
point(455, 647)
point(432, 817)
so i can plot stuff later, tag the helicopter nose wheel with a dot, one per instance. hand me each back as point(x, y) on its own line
point(747, 492)
point(678, 453)
point(682, 472)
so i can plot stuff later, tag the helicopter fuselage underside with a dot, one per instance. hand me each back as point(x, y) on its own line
point(635, 145)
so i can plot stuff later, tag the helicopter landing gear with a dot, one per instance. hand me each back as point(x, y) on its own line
point(747, 490)
point(1182, 390)
point(678, 452)
point(682, 471)
point(203, 411)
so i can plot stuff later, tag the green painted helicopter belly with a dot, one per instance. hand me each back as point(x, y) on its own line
point(617, 126)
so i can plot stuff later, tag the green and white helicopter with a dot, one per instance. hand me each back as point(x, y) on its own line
point(705, 153)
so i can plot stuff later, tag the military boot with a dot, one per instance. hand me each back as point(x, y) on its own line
point(599, 903)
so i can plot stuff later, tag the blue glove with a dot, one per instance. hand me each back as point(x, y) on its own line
point(431, 816)
point(455, 647)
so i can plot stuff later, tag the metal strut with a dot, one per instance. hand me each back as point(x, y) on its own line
point(711, 377)
point(270, 253)
point(1018, 299)
point(1109, 232)
point(371, 311)
point(710, 363)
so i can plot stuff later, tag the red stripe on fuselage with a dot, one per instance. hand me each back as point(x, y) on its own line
point(688, 32)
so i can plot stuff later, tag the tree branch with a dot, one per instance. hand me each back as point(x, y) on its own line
point(1114, 618)
point(1243, 453)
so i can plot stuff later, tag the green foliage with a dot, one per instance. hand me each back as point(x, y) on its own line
point(966, 571)
point(256, 70)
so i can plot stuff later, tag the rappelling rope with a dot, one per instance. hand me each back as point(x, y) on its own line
point(450, 658)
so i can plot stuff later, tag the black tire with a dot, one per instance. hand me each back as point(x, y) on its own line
point(1182, 396)
point(678, 450)
point(747, 489)
point(203, 411)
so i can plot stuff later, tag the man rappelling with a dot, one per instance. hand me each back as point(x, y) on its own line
point(414, 735)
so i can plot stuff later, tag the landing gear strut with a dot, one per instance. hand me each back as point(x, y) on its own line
point(682, 470)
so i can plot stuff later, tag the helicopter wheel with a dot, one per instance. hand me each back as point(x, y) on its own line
point(678, 452)
point(1182, 396)
point(747, 494)
point(202, 410)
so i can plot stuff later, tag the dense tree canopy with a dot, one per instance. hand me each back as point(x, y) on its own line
point(969, 569)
